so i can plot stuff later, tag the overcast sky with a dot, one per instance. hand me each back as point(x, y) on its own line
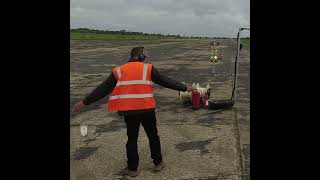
point(185, 17)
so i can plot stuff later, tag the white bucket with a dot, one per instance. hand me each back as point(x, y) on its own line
point(84, 130)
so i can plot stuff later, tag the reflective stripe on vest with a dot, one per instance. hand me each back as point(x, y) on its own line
point(121, 83)
point(130, 96)
point(132, 82)
point(119, 72)
point(145, 70)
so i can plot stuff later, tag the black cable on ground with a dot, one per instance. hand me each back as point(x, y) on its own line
point(235, 71)
point(234, 78)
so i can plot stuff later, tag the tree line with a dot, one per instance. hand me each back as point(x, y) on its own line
point(125, 32)
point(122, 32)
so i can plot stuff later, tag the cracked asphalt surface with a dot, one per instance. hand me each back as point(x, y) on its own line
point(196, 145)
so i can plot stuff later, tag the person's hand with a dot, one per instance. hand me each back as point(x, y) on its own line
point(79, 105)
point(189, 88)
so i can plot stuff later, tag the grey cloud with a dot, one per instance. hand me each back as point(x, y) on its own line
point(187, 17)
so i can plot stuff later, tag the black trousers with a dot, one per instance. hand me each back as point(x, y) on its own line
point(149, 123)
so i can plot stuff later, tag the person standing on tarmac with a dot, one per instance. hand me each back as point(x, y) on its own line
point(131, 88)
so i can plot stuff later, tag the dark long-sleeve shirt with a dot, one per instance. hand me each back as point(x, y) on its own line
point(108, 85)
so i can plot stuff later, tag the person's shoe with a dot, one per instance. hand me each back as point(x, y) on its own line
point(159, 167)
point(128, 172)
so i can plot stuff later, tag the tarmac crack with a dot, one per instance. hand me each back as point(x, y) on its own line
point(238, 145)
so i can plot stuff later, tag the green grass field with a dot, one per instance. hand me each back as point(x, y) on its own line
point(94, 36)
point(245, 41)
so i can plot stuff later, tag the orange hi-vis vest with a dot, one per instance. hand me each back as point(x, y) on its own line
point(134, 89)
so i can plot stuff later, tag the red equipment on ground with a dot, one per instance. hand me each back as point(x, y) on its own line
point(196, 99)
